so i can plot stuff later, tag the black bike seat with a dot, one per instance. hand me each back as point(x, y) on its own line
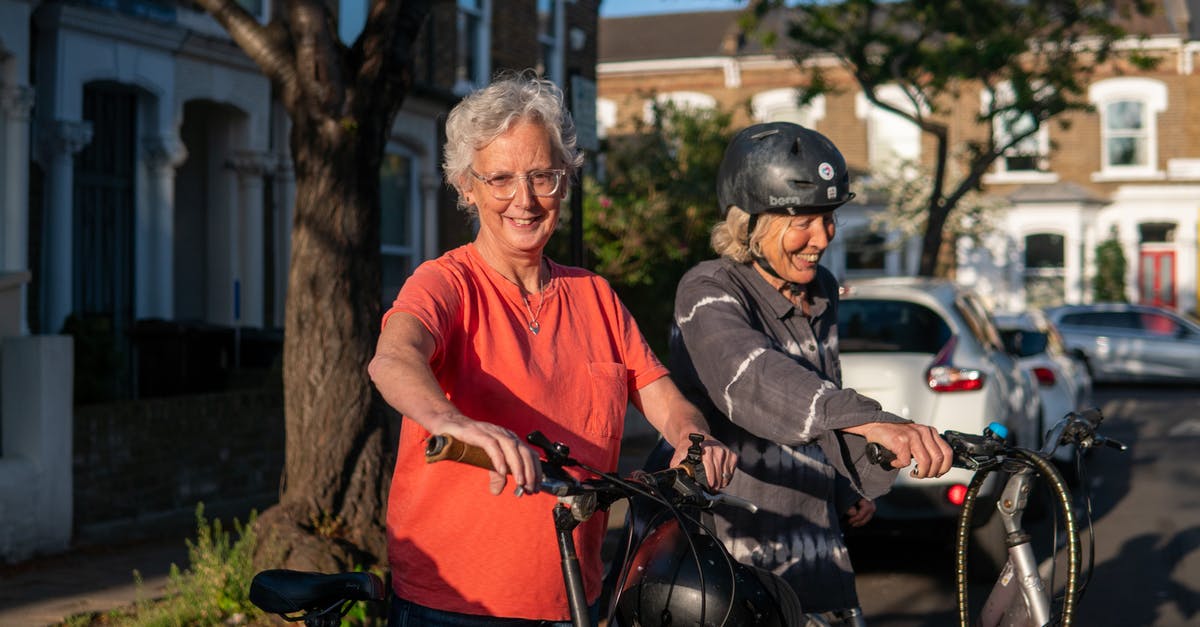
point(281, 591)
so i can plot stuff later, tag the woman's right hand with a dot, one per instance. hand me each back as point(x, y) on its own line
point(910, 442)
point(507, 450)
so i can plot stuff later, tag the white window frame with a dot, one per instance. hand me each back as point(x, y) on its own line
point(554, 43)
point(470, 78)
point(782, 104)
point(1058, 273)
point(412, 248)
point(1000, 135)
point(1152, 95)
point(606, 116)
point(682, 100)
point(891, 139)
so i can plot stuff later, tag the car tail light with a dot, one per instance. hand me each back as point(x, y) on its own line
point(944, 377)
point(956, 494)
point(1044, 376)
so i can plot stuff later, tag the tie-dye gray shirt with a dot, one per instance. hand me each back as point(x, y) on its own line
point(768, 380)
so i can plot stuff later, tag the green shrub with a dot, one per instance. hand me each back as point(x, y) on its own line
point(214, 589)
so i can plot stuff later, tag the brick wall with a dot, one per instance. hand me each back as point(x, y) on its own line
point(140, 467)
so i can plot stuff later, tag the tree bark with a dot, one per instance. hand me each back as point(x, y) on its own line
point(330, 514)
point(341, 101)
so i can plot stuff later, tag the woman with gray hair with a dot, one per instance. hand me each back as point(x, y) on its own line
point(492, 341)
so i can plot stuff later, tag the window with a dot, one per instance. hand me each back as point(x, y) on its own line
point(681, 100)
point(473, 60)
point(606, 116)
point(1128, 109)
point(894, 326)
point(893, 141)
point(400, 223)
point(550, 39)
point(865, 251)
point(1159, 324)
point(1045, 270)
point(1107, 319)
point(781, 105)
point(1027, 159)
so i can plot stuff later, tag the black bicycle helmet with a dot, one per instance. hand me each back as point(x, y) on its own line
point(781, 167)
point(665, 588)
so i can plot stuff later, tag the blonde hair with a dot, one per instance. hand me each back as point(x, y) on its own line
point(729, 235)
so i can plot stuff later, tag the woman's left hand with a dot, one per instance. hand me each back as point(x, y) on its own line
point(860, 513)
point(720, 463)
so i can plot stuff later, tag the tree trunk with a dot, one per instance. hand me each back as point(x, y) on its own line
point(931, 244)
point(338, 451)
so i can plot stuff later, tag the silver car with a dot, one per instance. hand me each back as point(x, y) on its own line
point(1122, 342)
point(1062, 378)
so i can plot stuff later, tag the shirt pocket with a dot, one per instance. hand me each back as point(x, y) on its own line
point(610, 398)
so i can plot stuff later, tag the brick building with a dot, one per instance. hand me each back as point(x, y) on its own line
point(1131, 165)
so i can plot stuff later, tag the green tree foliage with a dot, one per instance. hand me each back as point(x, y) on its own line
point(650, 219)
point(1033, 60)
point(1109, 283)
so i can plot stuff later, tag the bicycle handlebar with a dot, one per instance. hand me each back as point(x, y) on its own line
point(976, 451)
point(685, 483)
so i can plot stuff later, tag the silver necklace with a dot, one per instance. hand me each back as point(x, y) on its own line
point(534, 327)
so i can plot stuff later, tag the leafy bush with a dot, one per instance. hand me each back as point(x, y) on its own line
point(1109, 283)
point(213, 590)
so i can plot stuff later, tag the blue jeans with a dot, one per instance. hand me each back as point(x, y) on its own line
point(403, 613)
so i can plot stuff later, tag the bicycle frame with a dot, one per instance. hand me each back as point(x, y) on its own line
point(1020, 597)
point(1019, 574)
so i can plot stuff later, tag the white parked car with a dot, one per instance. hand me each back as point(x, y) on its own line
point(927, 350)
point(1063, 381)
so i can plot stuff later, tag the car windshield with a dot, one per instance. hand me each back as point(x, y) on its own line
point(869, 325)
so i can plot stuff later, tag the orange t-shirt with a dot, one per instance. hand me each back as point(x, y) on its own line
point(452, 545)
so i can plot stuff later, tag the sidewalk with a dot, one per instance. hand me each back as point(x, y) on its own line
point(47, 590)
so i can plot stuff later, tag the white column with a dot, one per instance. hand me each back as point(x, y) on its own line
point(35, 473)
point(15, 104)
point(62, 140)
point(285, 184)
point(156, 228)
point(250, 167)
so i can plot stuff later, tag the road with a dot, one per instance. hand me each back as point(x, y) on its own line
point(1146, 505)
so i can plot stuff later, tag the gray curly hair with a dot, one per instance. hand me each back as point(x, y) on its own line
point(489, 112)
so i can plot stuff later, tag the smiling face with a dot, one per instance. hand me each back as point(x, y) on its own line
point(523, 224)
point(794, 245)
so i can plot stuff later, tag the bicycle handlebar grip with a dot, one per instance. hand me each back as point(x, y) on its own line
point(444, 447)
point(881, 456)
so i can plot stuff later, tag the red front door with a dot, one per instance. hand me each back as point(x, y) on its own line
point(1156, 280)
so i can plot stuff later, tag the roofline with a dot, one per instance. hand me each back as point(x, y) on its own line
point(683, 64)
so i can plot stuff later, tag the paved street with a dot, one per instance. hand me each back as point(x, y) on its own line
point(1147, 521)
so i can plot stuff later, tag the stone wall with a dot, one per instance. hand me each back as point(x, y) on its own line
point(141, 467)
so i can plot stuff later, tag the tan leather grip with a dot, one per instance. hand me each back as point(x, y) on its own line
point(444, 447)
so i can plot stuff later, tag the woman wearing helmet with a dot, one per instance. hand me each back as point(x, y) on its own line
point(756, 349)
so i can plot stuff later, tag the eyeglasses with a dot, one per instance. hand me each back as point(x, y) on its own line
point(503, 185)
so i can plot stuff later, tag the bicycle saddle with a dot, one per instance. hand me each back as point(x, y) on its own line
point(281, 591)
